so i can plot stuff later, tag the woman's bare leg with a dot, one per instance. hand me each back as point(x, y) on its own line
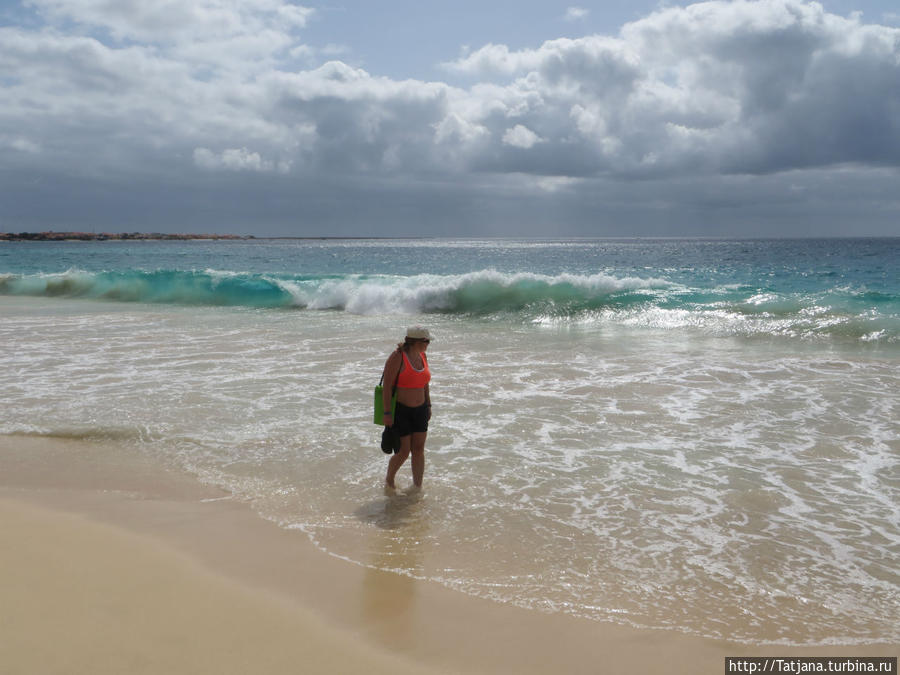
point(396, 461)
point(417, 450)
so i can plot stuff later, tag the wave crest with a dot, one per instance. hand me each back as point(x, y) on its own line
point(484, 292)
point(652, 303)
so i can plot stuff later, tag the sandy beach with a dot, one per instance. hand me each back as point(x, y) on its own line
point(83, 597)
point(127, 568)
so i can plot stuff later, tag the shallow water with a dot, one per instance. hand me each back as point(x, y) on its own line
point(680, 471)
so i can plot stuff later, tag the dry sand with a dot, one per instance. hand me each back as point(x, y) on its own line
point(111, 565)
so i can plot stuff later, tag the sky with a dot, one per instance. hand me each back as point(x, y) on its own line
point(402, 118)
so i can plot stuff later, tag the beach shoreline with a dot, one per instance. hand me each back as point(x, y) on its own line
point(73, 513)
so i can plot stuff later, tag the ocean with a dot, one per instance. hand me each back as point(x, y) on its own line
point(694, 435)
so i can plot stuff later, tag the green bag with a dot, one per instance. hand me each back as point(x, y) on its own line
point(379, 401)
point(379, 404)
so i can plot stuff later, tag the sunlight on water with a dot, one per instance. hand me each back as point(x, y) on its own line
point(713, 487)
point(699, 436)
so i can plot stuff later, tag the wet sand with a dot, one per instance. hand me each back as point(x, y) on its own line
point(113, 565)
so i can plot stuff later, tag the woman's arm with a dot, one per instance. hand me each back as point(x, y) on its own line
point(391, 369)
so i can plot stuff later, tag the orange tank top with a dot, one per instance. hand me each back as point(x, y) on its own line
point(410, 378)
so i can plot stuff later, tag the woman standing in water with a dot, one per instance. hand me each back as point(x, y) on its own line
point(408, 367)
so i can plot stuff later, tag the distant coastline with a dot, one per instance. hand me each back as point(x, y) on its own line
point(111, 236)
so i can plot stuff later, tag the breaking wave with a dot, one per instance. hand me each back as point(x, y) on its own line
point(476, 293)
point(566, 298)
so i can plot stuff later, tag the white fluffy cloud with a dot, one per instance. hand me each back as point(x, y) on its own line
point(520, 136)
point(713, 89)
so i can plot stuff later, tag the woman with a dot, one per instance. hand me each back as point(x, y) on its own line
point(408, 367)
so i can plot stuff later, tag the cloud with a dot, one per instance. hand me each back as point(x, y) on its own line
point(237, 159)
point(173, 21)
point(576, 13)
point(219, 34)
point(19, 144)
point(494, 60)
point(184, 91)
point(715, 87)
point(520, 137)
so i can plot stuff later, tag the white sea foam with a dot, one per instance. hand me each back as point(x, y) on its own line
point(657, 479)
point(465, 292)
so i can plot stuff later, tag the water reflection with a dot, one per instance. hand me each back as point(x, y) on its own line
point(396, 558)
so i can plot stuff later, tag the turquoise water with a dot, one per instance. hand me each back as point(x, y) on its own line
point(695, 435)
point(796, 288)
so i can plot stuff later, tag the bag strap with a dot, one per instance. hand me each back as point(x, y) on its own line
point(396, 379)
